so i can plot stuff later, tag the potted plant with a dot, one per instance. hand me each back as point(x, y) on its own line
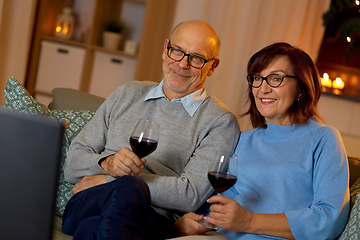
point(112, 34)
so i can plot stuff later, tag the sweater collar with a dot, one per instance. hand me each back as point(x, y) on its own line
point(190, 102)
point(274, 131)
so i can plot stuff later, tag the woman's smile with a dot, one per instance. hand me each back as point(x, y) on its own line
point(267, 100)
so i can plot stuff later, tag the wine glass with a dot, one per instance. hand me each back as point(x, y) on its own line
point(144, 138)
point(221, 180)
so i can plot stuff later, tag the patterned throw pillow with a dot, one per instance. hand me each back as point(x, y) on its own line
point(352, 228)
point(18, 98)
point(73, 121)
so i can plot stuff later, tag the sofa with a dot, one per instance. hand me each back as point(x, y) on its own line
point(75, 108)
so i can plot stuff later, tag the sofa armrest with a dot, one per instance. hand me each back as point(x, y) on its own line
point(72, 99)
point(354, 168)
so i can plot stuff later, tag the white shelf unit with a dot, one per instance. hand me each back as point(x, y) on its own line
point(109, 72)
point(60, 65)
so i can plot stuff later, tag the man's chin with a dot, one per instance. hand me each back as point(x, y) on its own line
point(175, 85)
point(177, 90)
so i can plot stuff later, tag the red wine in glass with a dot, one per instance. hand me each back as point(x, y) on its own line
point(144, 139)
point(221, 181)
point(142, 147)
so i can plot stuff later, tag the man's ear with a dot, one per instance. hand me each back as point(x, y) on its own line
point(165, 49)
point(214, 65)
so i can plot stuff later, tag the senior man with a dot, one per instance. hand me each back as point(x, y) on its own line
point(119, 196)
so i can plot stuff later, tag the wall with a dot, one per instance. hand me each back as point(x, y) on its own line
point(16, 21)
point(1, 10)
point(344, 115)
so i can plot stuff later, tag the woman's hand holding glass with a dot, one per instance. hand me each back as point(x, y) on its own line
point(221, 179)
point(224, 214)
point(228, 214)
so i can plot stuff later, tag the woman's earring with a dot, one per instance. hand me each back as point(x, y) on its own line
point(299, 96)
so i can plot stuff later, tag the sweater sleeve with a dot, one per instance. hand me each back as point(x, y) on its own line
point(326, 217)
point(86, 150)
point(187, 191)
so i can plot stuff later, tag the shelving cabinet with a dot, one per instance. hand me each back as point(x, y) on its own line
point(54, 59)
point(93, 68)
point(110, 71)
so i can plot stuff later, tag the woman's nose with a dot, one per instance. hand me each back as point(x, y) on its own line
point(265, 87)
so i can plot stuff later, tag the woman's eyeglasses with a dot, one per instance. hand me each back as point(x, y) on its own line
point(273, 80)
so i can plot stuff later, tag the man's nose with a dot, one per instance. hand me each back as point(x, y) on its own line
point(184, 63)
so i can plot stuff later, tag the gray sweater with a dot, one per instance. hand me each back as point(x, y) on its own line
point(176, 171)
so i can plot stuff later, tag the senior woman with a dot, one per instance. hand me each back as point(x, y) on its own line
point(292, 170)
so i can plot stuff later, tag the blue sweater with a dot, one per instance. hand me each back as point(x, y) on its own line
point(299, 170)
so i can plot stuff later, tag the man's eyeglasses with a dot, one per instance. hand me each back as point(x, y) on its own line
point(193, 60)
point(273, 80)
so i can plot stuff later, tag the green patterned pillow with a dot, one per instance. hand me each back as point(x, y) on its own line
point(74, 121)
point(18, 98)
point(352, 228)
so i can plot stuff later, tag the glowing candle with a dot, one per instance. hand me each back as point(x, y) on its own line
point(338, 83)
point(325, 81)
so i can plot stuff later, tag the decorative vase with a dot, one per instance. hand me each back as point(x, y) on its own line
point(111, 40)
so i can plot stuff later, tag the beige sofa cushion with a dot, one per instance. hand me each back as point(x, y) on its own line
point(72, 99)
point(208, 236)
point(57, 233)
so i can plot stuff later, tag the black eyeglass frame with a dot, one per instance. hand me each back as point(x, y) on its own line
point(248, 77)
point(188, 56)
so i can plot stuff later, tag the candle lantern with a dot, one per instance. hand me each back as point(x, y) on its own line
point(65, 24)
